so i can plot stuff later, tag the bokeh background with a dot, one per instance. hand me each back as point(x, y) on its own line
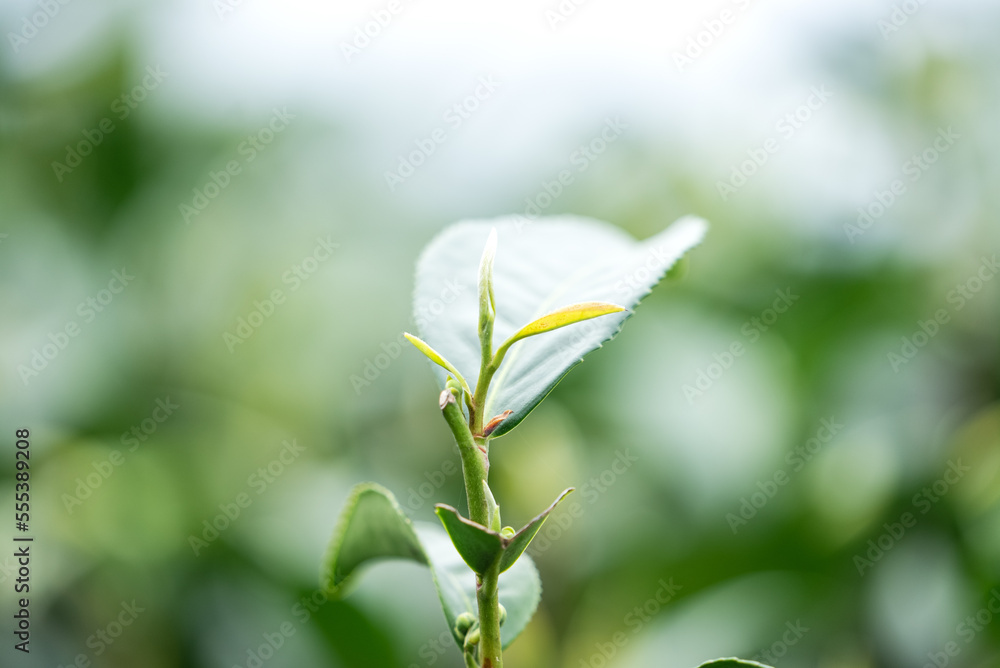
point(162, 410)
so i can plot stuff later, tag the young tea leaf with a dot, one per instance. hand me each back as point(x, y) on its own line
point(487, 301)
point(438, 359)
point(540, 268)
point(567, 315)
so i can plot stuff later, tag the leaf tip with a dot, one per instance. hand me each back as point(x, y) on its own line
point(489, 253)
point(487, 299)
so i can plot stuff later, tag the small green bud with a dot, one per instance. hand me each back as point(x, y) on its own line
point(487, 302)
point(463, 623)
point(503, 613)
point(507, 532)
point(472, 639)
point(454, 387)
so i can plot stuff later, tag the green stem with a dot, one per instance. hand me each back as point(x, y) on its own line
point(474, 463)
point(486, 372)
point(488, 367)
point(475, 468)
point(487, 594)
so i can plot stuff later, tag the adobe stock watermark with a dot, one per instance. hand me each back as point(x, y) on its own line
point(454, 117)
point(8, 567)
point(900, 15)
point(913, 170)
point(248, 150)
point(786, 127)
point(121, 107)
point(294, 277)
point(794, 631)
point(563, 11)
point(365, 33)
point(657, 261)
point(106, 636)
point(33, 23)
point(434, 480)
point(560, 521)
point(958, 297)
point(257, 482)
point(272, 641)
point(427, 311)
point(966, 630)
point(752, 330)
point(225, 7)
point(769, 488)
point(431, 651)
point(711, 31)
point(634, 620)
point(59, 340)
point(301, 612)
point(922, 502)
point(579, 334)
point(581, 159)
point(105, 467)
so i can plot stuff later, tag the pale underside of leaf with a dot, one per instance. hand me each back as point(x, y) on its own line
point(520, 588)
point(539, 268)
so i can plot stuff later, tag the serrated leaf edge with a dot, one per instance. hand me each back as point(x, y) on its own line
point(700, 228)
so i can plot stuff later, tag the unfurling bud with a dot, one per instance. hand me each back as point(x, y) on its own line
point(487, 301)
point(503, 613)
point(454, 387)
point(507, 532)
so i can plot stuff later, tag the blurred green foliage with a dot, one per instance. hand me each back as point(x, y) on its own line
point(324, 365)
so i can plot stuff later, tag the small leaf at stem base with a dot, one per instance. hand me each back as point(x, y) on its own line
point(480, 547)
point(372, 527)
